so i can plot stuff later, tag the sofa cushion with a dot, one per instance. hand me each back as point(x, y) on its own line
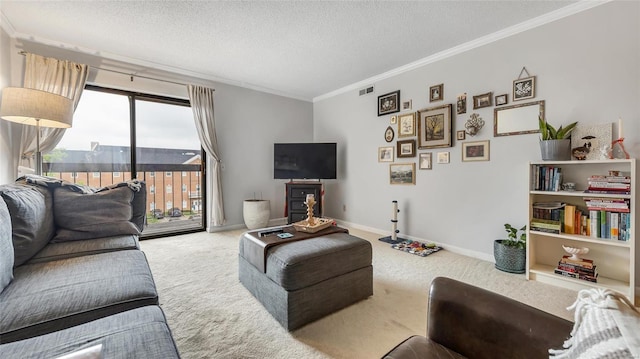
point(69, 249)
point(93, 215)
point(32, 223)
point(50, 296)
point(136, 333)
point(6, 246)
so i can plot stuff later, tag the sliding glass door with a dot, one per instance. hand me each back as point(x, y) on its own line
point(118, 135)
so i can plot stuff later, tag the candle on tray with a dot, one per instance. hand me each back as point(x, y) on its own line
point(310, 198)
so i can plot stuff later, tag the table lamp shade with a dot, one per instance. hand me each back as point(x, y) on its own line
point(32, 107)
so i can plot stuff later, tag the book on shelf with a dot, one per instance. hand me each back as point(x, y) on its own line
point(548, 210)
point(546, 178)
point(609, 184)
point(569, 218)
point(589, 278)
point(614, 226)
point(545, 225)
point(577, 268)
point(616, 192)
point(583, 262)
point(608, 204)
point(610, 179)
point(594, 220)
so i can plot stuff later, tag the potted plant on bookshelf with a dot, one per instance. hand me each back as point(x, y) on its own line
point(510, 254)
point(555, 144)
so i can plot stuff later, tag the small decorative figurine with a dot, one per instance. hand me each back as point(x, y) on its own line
point(310, 202)
point(474, 124)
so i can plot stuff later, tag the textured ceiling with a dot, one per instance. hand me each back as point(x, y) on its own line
point(301, 49)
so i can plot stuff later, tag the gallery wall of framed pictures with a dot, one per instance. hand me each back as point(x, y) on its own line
point(426, 134)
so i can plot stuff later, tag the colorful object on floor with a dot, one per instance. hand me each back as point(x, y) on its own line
point(417, 248)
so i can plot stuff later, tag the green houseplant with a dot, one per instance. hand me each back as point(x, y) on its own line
point(511, 254)
point(555, 144)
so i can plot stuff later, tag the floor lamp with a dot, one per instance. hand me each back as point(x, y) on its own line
point(36, 108)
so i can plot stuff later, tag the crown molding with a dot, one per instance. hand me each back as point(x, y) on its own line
point(6, 25)
point(456, 50)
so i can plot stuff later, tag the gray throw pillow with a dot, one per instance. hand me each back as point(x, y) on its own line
point(6, 247)
point(31, 219)
point(92, 215)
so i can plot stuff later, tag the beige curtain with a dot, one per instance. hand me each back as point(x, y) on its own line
point(202, 106)
point(61, 77)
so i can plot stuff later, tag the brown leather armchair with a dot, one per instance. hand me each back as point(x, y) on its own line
point(465, 321)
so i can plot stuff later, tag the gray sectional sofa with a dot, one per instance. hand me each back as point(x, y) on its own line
point(72, 277)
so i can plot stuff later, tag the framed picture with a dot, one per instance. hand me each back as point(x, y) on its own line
point(389, 134)
point(407, 125)
point(461, 104)
point(385, 154)
point(484, 100)
point(475, 151)
point(389, 103)
point(590, 142)
point(436, 93)
point(406, 148)
point(443, 157)
point(425, 161)
point(406, 105)
point(518, 119)
point(460, 135)
point(394, 120)
point(402, 173)
point(434, 127)
point(524, 88)
point(501, 100)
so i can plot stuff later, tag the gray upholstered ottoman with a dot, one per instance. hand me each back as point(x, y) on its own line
point(308, 279)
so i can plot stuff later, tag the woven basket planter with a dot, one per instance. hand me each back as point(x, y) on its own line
point(509, 259)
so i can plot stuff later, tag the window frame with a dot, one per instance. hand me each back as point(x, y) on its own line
point(133, 97)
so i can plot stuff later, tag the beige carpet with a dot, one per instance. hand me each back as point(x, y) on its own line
point(212, 315)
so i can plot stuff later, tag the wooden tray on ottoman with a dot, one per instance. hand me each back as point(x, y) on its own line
point(321, 223)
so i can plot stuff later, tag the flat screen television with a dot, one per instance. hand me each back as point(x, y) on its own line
point(304, 161)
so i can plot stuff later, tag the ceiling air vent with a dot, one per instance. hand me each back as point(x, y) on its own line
point(366, 91)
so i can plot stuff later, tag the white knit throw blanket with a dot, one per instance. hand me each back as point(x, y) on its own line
point(606, 325)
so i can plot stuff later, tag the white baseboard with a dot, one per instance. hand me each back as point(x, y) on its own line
point(452, 248)
point(274, 222)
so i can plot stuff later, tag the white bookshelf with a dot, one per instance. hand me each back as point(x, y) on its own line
point(615, 259)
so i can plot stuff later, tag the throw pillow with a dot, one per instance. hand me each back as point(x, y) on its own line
point(6, 247)
point(92, 215)
point(606, 326)
point(31, 219)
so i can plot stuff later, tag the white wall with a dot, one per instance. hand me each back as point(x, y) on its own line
point(588, 70)
point(8, 162)
point(248, 122)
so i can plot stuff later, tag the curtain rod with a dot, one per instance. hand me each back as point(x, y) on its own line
point(24, 53)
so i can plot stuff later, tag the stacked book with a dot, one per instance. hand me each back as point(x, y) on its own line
point(582, 268)
point(547, 217)
point(609, 218)
point(609, 184)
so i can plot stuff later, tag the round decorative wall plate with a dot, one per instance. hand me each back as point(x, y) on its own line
point(389, 134)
